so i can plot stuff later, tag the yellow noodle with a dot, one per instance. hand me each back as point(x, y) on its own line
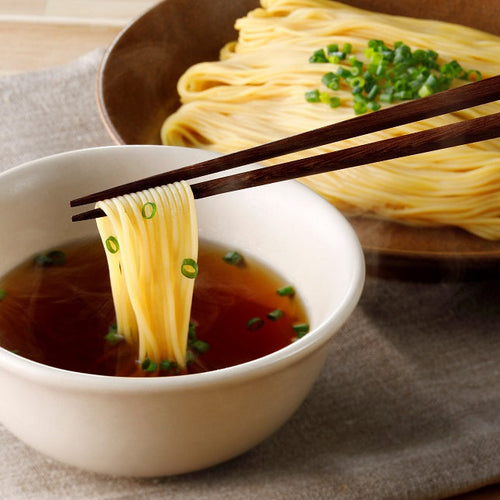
point(255, 94)
point(152, 297)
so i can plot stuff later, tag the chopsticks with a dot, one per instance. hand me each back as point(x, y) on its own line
point(463, 132)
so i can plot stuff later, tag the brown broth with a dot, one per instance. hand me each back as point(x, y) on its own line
point(60, 315)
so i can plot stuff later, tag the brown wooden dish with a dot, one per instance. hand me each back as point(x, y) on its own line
point(137, 90)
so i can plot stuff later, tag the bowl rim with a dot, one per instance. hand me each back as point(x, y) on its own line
point(265, 365)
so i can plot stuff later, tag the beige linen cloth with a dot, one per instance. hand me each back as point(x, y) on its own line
point(407, 406)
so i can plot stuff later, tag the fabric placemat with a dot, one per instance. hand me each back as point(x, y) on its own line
point(406, 407)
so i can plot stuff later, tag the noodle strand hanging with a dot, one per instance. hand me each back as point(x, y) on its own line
point(151, 242)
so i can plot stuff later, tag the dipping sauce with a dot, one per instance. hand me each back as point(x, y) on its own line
point(57, 309)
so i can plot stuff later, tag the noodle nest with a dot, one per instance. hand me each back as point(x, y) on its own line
point(255, 94)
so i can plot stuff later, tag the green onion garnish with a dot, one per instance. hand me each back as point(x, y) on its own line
point(286, 290)
point(312, 95)
point(275, 315)
point(149, 365)
point(148, 210)
point(200, 346)
point(347, 48)
point(196, 345)
point(474, 75)
point(192, 332)
point(255, 323)
point(53, 258)
point(113, 337)
point(318, 56)
point(234, 258)
point(168, 366)
point(330, 80)
point(389, 75)
point(190, 357)
point(189, 268)
point(112, 244)
point(3, 294)
point(300, 329)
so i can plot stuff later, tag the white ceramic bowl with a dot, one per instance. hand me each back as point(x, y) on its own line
point(166, 426)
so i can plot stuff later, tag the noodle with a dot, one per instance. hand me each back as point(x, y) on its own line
point(255, 94)
point(147, 236)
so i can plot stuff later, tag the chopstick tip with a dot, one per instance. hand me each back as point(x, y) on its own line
point(90, 214)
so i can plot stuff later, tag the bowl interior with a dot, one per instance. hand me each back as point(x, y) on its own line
point(286, 225)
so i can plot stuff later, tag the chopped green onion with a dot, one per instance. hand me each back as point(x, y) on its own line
point(390, 75)
point(189, 268)
point(336, 57)
point(255, 323)
point(300, 329)
point(113, 337)
point(324, 97)
point(372, 93)
point(275, 315)
point(3, 294)
point(404, 95)
point(200, 346)
point(190, 356)
point(112, 244)
point(347, 48)
point(431, 81)
point(331, 48)
point(168, 366)
point(360, 107)
point(318, 56)
point(353, 61)
point(149, 365)
point(234, 258)
point(195, 344)
point(357, 81)
point(386, 97)
point(148, 210)
point(373, 106)
point(432, 55)
point(474, 75)
point(53, 258)
point(356, 70)
point(334, 102)
point(331, 80)
point(286, 290)
point(192, 332)
point(312, 95)
point(343, 72)
point(425, 91)
point(420, 55)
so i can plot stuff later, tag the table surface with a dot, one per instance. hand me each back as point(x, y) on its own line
point(38, 34)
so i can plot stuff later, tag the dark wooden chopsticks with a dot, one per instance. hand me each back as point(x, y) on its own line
point(464, 132)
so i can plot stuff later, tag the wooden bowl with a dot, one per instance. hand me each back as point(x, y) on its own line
point(137, 91)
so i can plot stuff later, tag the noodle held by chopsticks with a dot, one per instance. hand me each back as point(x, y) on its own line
point(151, 243)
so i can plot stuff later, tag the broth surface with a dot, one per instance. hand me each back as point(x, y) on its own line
point(60, 314)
